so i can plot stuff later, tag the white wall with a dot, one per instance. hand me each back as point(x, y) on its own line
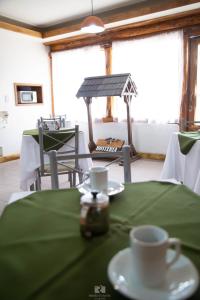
point(147, 138)
point(23, 59)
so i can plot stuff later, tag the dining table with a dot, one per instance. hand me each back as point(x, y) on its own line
point(182, 161)
point(30, 153)
point(43, 255)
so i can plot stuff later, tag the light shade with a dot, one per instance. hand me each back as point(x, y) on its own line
point(92, 24)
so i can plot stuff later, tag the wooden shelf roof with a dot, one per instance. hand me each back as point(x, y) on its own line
point(108, 85)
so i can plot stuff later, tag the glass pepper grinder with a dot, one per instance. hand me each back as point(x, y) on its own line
point(94, 217)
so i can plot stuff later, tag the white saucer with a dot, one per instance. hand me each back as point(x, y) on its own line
point(114, 187)
point(181, 282)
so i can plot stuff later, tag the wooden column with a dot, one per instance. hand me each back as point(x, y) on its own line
point(188, 104)
point(51, 85)
point(91, 145)
point(108, 57)
point(127, 100)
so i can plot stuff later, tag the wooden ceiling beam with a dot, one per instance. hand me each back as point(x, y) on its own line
point(20, 29)
point(167, 23)
point(119, 14)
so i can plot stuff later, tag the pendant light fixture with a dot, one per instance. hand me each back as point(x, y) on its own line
point(92, 24)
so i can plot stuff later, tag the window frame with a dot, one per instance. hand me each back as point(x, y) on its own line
point(188, 105)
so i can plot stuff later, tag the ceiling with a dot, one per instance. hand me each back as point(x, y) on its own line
point(43, 13)
point(51, 18)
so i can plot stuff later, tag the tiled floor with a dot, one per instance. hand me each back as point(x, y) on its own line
point(141, 170)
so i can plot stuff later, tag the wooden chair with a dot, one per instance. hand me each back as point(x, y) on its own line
point(52, 123)
point(122, 156)
point(62, 117)
point(55, 139)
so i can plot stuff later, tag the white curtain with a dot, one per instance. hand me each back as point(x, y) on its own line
point(69, 70)
point(156, 67)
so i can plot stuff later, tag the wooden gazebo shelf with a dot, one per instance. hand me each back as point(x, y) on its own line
point(120, 85)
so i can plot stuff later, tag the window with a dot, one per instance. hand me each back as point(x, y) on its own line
point(69, 70)
point(156, 67)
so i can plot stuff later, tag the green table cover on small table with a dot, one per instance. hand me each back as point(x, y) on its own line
point(187, 140)
point(52, 141)
point(43, 256)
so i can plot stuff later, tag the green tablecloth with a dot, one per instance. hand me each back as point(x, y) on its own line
point(52, 141)
point(187, 140)
point(43, 256)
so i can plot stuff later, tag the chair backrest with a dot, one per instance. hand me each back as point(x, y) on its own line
point(62, 117)
point(54, 140)
point(123, 156)
point(54, 123)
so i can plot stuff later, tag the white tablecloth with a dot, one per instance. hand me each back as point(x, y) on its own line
point(184, 168)
point(30, 159)
point(19, 195)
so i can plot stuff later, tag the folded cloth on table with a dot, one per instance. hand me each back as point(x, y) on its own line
point(54, 140)
point(187, 140)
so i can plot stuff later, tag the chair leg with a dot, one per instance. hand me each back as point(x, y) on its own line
point(70, 179)
point(32, 187)
point(80, 177)
point(74, 179)
point(38, 184)
point(38, 181)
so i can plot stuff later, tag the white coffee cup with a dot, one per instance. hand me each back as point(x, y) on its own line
point(98, 179)
point(149, 245)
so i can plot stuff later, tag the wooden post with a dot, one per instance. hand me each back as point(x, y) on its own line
point(109, 106)
point(91, 145)
point(51, 85)
point(127, 100)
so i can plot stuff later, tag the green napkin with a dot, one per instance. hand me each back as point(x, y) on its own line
point(187, 140)
point(52, 141)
